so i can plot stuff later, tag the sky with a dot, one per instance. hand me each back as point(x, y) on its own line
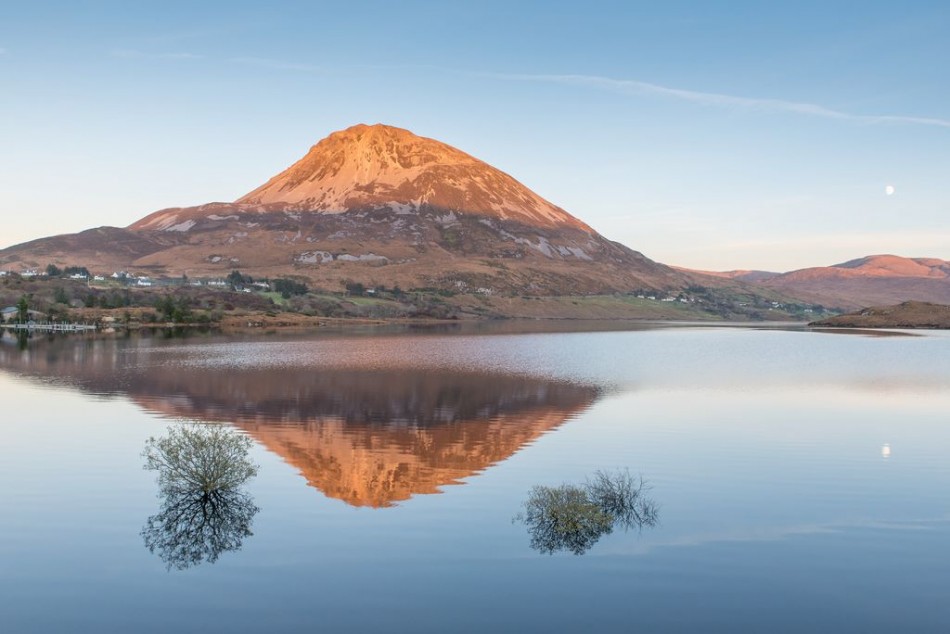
point(710, 135)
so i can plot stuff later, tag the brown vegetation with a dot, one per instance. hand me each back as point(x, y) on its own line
point(904, 315)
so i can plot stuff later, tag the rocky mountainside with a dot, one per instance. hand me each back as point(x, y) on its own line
point(380, 206)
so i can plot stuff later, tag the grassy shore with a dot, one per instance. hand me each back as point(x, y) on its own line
point(905, 315)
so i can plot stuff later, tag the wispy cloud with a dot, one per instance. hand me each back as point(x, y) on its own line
point(203, 33)
point(134, 54)
point(275, 64)
point(634, 87)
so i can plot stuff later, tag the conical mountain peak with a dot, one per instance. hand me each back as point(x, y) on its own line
point(379, 205)
point(378, 166)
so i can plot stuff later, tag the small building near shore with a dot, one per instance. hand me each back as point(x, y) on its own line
point(9, 314)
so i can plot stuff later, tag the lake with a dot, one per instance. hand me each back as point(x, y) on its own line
point(801, 481)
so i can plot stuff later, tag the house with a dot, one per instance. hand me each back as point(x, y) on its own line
point(10, 313)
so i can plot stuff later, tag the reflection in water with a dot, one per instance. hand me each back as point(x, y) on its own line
point(194, 527)
point(20, 338)
point(365, 435)
point(572, 518)
point(204, 511)
point(376, 437)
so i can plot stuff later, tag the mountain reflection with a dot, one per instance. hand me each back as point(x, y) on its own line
point(374, 437)
point(366, 436)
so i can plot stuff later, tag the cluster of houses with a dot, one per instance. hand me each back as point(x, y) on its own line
point(144, 281)
point(126, 277)
point(682, 300)
point(131, 279)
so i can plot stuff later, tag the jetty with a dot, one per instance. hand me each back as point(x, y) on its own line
point(51, 327)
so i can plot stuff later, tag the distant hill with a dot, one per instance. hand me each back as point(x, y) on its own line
point(874, 280)
point(904, 315)
point(753, 277)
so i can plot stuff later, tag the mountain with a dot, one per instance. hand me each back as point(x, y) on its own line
point(380, 206)
point(874, 280)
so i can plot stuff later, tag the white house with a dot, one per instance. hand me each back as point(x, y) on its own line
point(10, 312)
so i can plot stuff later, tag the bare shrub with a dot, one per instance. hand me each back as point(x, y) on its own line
point(571, 517)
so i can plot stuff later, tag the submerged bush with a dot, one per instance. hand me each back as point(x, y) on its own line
point(203, 458)
point(571, 517)
point(564, 518)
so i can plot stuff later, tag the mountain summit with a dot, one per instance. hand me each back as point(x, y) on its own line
point(383, 166)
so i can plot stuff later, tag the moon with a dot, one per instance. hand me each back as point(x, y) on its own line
point(889, 190)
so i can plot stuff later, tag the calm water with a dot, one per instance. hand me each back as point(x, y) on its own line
point(802, 478)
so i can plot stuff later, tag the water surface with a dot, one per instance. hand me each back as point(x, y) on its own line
point(801, 480)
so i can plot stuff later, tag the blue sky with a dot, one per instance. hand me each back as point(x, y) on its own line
point(714, 135)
